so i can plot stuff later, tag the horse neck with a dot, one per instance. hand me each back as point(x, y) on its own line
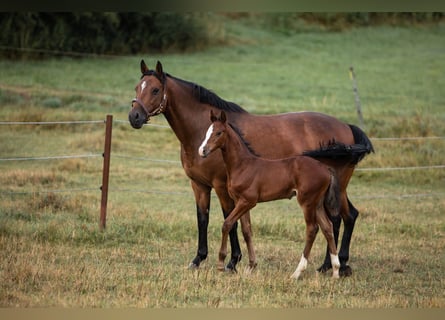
point(184, 114)
point(235, 152)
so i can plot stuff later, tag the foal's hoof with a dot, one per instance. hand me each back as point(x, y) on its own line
point(250, 268)
point(324, 268)
point(345, 271)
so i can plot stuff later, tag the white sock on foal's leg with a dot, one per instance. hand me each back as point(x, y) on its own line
point(335, 262)
point(300, 268)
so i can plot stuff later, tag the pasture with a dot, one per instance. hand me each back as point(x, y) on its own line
point(53, 253)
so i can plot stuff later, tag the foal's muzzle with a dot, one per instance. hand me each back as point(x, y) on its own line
point(203, 152)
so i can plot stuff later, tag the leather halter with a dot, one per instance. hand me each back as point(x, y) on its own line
point(155, 112)
point(159, 109)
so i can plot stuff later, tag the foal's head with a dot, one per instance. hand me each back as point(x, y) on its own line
point(151, 96)
point(216, 134)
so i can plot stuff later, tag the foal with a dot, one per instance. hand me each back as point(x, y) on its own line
point(251, 179)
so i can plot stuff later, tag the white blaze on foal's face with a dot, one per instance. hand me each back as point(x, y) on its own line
point(208, 134)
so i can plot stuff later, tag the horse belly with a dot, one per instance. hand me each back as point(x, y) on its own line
point(275, 185)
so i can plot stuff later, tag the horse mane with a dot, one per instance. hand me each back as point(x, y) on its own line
point(246, 143)
point(207, 96)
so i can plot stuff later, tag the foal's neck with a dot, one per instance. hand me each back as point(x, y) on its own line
point(235, 152)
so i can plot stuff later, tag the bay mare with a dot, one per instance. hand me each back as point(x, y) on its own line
point(251, 179)
point(186, 106)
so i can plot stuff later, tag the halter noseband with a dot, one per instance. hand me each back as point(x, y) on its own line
point(157, 111)
point(163, 103)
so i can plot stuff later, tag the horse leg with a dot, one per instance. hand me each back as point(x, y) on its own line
point(241, 208)
point(349, 215)
point(349, 224)
point(311, 233)
point(202, 198)
point(326, 227)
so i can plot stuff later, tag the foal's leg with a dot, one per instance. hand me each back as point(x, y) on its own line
point(311, 233)
point(241, 208)
point(227, 205)
point(326, 227)
point(247, 233)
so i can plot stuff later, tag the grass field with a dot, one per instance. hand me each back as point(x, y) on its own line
point(53, 254)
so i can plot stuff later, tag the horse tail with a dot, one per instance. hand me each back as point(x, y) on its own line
point(332, 196)
point(353, 153)
point(361, 139)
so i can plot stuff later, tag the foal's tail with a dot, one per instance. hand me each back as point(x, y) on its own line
point(352, 153)
point(332, 197)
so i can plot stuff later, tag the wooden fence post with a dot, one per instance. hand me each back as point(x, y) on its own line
point(105, 172)
point(357, 98)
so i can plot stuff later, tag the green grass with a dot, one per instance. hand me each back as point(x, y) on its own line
point(53, 254)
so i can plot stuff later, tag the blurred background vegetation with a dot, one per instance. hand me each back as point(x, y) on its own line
point(39, 34)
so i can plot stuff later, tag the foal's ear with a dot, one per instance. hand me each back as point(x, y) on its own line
point(223, 117)
point(144, 68)
point(213, 118)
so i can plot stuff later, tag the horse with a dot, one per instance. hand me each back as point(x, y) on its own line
point(251, 180)
point(185, 106)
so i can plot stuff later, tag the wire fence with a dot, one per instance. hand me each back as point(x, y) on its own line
point(178, 163)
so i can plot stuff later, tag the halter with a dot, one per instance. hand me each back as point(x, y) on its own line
point(163, 103)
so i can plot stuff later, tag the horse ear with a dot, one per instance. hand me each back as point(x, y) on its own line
point(159, 71)
point(144, 68)
point(223, 117)
point(159, 68)
point(213, 118)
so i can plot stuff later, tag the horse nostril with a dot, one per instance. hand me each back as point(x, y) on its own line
point(136, 115)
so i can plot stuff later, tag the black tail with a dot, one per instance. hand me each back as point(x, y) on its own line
point(353, 153)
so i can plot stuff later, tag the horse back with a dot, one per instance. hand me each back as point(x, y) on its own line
point(290, 134)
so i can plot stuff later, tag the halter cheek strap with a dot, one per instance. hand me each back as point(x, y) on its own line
point(158, 110)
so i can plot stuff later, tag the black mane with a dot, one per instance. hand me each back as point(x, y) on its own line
point(206, 96)
point(241, 136)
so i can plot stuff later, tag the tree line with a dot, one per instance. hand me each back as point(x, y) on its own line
point(36, 34)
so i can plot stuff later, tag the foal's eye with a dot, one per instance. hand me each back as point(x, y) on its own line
point(155, 91)
point(218, 134)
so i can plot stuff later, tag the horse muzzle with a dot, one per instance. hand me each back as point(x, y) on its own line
point(137, 117)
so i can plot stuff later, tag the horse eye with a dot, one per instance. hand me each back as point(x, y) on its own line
point(219, 133)
point(155, 91)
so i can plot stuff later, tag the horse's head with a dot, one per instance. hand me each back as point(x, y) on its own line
point(151, 96)
point(216, 134)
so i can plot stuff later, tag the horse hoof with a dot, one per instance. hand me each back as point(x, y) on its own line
point(231, 267)
point(193, 266)
point(345, 271)
point(230, 270)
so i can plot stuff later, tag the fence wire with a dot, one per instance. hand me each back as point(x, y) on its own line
point(120, 156)
point(52, 157)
